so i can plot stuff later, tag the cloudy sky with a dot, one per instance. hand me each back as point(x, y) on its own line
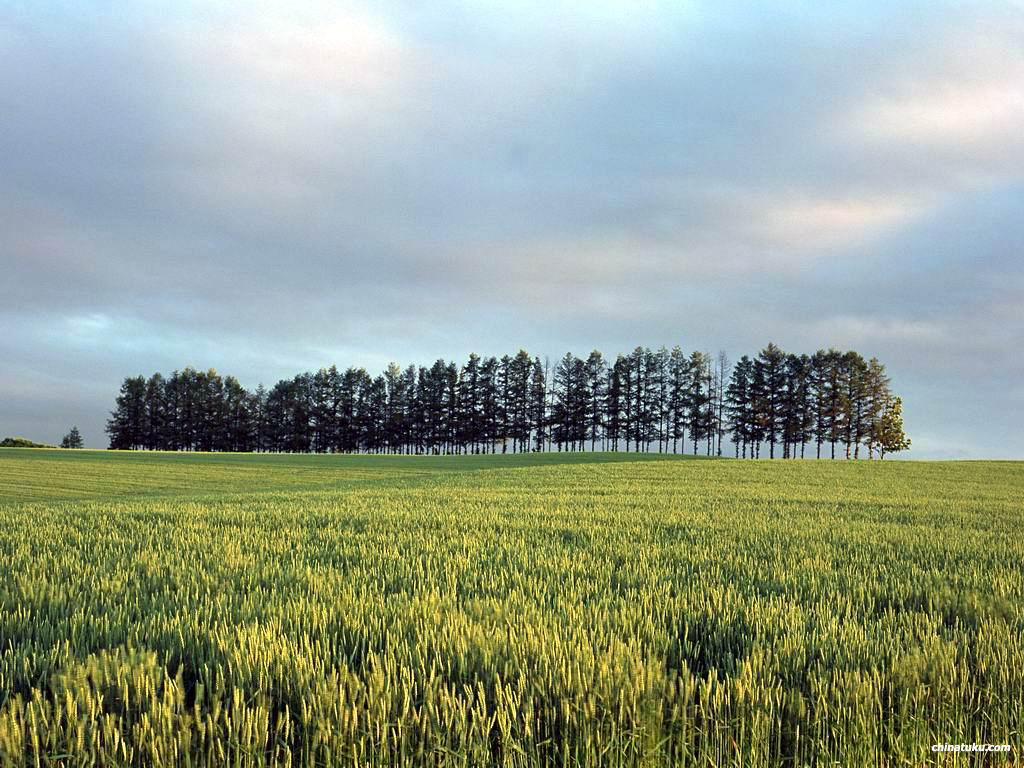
point(266, 188)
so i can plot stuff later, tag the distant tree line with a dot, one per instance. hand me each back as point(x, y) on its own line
point(828, 404)
point(22, 442)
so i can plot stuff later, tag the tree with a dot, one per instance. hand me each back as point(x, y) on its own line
point(721, 372)
point(698, 398)
point(570, 389)
point(613, 400)
point(126, 423)
point(395, 409)
point(623, 372)
point(769, 393)
point(321, 410)
point(643, 366)
point(661, 402)
point(740, 406)
point(258, 416)
point(819, 398)
point(797, 418)
point(678, 393)
point(490, 404)
point(889, 436)
point(155, 413)
point(517, 407)
point(539, 404)
point(829, 398)
point(73, 439)
point(239, 429)
point(854, 400)
point(876, 397)
point(596, 382)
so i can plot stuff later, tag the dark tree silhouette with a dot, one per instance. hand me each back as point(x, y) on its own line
point(73, 439)
point(644, 401)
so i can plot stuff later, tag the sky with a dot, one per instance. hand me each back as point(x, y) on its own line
point(267, 188)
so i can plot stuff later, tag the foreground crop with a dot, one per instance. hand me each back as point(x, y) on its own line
point(358, 611)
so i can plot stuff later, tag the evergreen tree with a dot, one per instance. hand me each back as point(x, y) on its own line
point(854, 400)
point(258, 418)
point(721, 372)
point(769, 393)
point(613, 404)
point(797, 417)
point(876, 396)
point(627, 385)
point(678, 397)
point(470, 422)
point(661, 403)
point(819, 398)
point(490, 404)
point(538, 404)
point(155, 413)
point(565, 407)
point(740, 406)
point(834, 395)
point(126, 425)
point(596, 382)
point(73, 439)
point(698, 398)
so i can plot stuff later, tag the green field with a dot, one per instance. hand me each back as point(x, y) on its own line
point(564, 610)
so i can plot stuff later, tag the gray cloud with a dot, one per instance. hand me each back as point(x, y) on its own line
point(268, 189)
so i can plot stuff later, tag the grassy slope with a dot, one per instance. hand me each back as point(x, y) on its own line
point(846, 612)
point(50, 475)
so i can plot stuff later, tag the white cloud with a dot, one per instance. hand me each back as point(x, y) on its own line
point(856, 331)
point(948, 114)
point(960, 89)
point(815, 224)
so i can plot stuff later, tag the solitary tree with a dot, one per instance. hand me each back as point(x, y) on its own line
point(72, 439)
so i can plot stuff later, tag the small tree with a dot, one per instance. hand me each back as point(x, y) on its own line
point(72, 439)
point(890, 437)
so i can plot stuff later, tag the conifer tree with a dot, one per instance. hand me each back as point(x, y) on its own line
point(678, 393)
point(596, 384)
point(740, 408)
point(73, 439)
point(769, 393)
point(698, 398)
point(538, 404)
point(127, 420)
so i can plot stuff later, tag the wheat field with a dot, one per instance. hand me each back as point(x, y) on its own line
point(530, 610)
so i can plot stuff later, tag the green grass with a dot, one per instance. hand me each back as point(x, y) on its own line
point(173, 609)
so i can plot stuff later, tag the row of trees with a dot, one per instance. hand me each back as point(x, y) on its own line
point(649, 400)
